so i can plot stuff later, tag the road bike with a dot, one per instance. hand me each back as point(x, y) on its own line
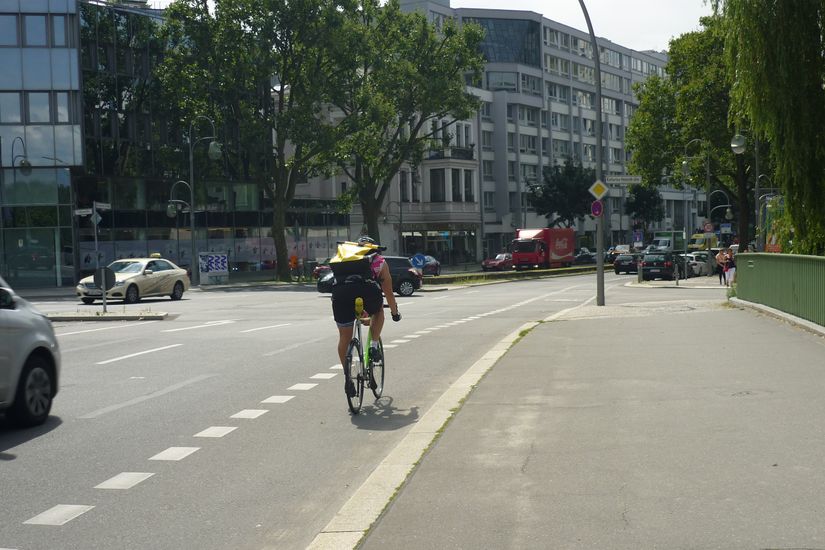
point(359, 369)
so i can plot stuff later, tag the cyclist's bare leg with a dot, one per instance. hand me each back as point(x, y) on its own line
point(376, 325)
point(344, 337)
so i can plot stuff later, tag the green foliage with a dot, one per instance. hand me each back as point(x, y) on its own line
point(653, 133)
point(401, 83)
point(563, 196)
point(644, 203)
point(775, 57)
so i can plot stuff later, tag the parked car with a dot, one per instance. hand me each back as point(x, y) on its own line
point(29, 360)
point(584, 257)
point(626, 263)
point(137, 278)
point(405, 278)
point(615, 251)
point(660, 265)
point(700, 263)
point(502, 262)
point(321, 269)
point(431, 266)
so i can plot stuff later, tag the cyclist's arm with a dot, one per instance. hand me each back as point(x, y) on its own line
point(385, 280)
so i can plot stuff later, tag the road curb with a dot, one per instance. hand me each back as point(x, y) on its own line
point(369, 501)
point(798, 321)
point(55, 317)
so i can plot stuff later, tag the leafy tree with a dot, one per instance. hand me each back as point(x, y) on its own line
point(564, 195)
point(684, 118)
point(775, 58)
point(260, 68)
point(644, 203)
point(402, 84)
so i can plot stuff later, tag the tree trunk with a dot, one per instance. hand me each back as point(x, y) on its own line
point(279, 236)
point(371, 210)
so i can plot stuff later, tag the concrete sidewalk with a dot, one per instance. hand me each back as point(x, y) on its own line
point(614, 428)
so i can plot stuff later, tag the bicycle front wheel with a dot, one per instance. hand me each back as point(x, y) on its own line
point(354, 376)
point(377, 373)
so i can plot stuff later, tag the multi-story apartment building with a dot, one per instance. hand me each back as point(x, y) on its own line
point(538, 108)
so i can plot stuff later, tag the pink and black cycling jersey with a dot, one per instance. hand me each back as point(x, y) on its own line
point(376, 264)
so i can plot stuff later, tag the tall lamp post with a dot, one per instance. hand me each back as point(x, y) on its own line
point(172, 212)
point(214, 153)
point(738, 145)
point(599, 219)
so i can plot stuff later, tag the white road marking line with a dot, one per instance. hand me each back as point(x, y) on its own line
point(441, 298)
point(472, 291)
point(427, 331)
point(337, 367)
point(250, 413)
point(301, 387)
point(143, 398)
point(293, 346)
point(413, 336)
point(324, 375)
point(216, 431)
point(264, 328)
point(136, 354)
point(92, 346)
point(124, 480)
point(399, 341)
point(175, 453)
point(390, 346)
point(278, 399)
point(130, 325)
point(59, 515)
point(441, 326)
point(207, 325)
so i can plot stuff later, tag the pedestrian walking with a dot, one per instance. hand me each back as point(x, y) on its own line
point(720, 265)
point(730, 267)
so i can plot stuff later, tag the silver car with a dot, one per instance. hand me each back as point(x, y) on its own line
point(29, 360)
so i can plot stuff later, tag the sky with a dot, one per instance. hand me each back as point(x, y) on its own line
point(637, 24)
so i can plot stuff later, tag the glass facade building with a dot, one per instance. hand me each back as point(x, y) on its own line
point(77, 104)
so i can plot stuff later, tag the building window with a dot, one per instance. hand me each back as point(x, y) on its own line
point(527, 144)
point(497, 80)
point(437, 191)
point(455, 181)
point(468, 186)
point(8, 30)
point(10, 108)
point(487, 169)
point(511, 142)
point(38, 107)
point(59, 31)
point(511, 170)
point(486, 111)
point(35, 30)
point(486, 140)
point(527, 116)
point(489, 201)
point(62, 115)
point(404, 184)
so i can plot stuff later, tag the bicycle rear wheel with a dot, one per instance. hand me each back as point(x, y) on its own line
point(377, 373)
point(354, 373)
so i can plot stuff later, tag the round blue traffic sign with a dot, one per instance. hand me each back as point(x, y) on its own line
point(418, 261)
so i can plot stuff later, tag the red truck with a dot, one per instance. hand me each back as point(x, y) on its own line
point(545, 247)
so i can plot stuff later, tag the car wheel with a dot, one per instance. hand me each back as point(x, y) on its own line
point(87, 301)
point(35, 392)
point(406, 288)
point(132, 295)
point(177, 292)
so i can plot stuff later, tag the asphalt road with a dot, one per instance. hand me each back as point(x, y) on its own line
point(226, 426)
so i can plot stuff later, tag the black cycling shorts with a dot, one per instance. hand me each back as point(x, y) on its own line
point(343, 300)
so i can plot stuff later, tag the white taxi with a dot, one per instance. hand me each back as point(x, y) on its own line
point(137, 278)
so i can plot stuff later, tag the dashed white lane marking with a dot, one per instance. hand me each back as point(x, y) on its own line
point(130, 325)
point(250, 413)
point(124, 480)
point(427, 331)
point(205, 325)
point(337, 367)
point(143, 398)
point(472, 291)
point(324, 375)
point(278, 399)
point(175, 453)
point(301, 387)
point(122, 357)
point(264, 328)
point(59, 515)
point(216, 431)
point(390, 346)
point(399, 341)
point(441, 298)
point(413, 336)
point(292, 347)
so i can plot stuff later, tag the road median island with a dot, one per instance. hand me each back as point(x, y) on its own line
point(503, 276)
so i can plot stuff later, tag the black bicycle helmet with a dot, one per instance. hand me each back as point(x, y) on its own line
point(366, 239)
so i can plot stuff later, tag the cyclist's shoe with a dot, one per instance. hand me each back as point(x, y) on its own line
point(349, 388)
point(376, 356)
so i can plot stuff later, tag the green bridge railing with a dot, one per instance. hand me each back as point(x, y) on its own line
point(787, 282)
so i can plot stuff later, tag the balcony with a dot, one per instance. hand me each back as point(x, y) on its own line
point(458, 153)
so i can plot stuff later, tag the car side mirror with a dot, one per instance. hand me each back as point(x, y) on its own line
point(148, 272)
point(6, 299)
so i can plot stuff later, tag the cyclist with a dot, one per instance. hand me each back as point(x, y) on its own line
point(370, 289)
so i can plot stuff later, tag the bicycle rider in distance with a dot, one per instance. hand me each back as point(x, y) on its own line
point(372, 289)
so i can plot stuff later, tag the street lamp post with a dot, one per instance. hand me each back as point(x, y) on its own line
point(214, 154)
point(172, 212)
point(738, 145)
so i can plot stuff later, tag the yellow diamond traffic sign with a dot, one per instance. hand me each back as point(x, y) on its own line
point(599, 189)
